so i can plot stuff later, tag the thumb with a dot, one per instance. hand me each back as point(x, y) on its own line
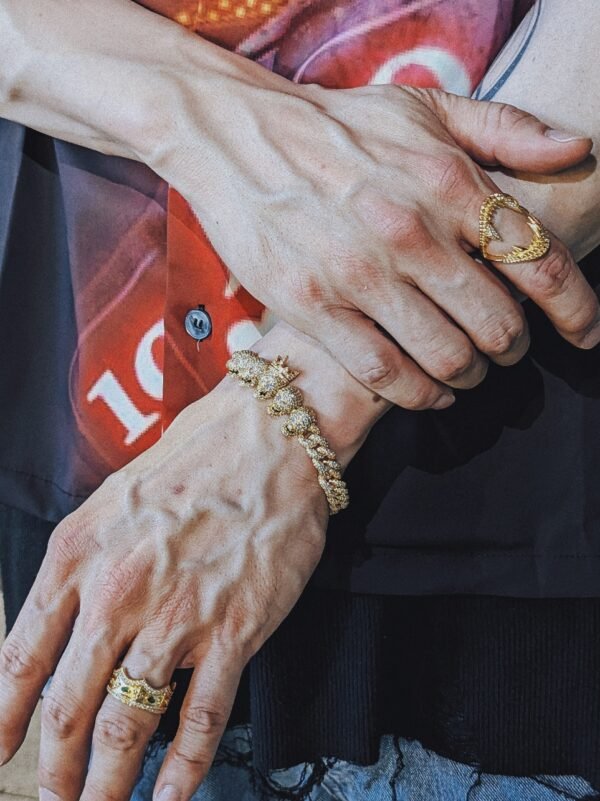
point(498, 134)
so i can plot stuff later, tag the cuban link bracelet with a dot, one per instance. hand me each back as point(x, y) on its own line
point(271, 381)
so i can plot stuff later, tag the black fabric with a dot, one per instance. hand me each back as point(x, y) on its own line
point(507, 685)
point(23, 541)
point(495, 495)
point(37, 329)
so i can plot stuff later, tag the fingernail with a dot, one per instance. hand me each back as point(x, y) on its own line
point(47, 795)
point(562, 136)
point(441, 403)
point(168, 793)
point(592, 338)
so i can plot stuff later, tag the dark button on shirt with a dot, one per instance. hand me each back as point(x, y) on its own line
point(198, 323)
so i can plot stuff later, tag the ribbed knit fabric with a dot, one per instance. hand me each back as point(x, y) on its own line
point(332, 653)
point(508, 685)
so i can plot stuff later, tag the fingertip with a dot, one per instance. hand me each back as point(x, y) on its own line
point(566, 137)
point(175, 783)
point(168, 792)
point(444, 401)
point(559, 151)
point(591, 339)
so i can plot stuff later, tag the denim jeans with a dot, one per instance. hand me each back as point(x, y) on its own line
point(405, 771)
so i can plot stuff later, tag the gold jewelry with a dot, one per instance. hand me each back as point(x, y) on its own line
point(271, 380)
point(138, 693)
point(266, 377)
point(228, 12)
point(247, 366)
point(539, 245)
point(276, 376)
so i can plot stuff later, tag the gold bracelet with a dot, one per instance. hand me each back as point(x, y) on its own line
point(271, 381)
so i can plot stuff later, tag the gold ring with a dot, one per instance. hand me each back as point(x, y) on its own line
point(539, 245)
point(138, 693)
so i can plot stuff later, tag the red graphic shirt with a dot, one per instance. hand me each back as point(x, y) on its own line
point(140, 259)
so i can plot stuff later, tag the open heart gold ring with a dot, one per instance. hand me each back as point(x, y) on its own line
point(540, 242)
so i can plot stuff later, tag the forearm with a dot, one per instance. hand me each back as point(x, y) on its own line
point(106, 75)
point(555, 74)
point(57, 64)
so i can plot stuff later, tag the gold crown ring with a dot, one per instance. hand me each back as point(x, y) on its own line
point(540, 242)
point(138, 693)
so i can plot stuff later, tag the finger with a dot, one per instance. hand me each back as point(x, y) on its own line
point(202, 721)
point(428, 254)
point(436, 344)
point(557, 285)
point(461, 188)
point(554, 282)
point(70, 706)
point(500, 134)
point(33, 647)
point(478, 302)
point(121, 732)
point(378, 363)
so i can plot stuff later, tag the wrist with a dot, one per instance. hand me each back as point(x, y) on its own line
point(346, 410)
point(260, 446)
point(208, 125)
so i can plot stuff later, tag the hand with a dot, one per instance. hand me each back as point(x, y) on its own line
point(188, 557)
point(337, 208)
point(334, 207)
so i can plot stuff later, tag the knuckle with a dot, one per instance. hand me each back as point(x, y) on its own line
point(498, 336)
point(552, 275)
point(118, 732)
point(16, 661)
point(203, 720)
point(450, 365)
point(403, 227)
point(306, 290)
point(397, 224)
point(377, 373)
point(420, 397)
point(66, 541)
point(508, 118)
point(60, 720)
point(199, 758)
point(118, 581)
